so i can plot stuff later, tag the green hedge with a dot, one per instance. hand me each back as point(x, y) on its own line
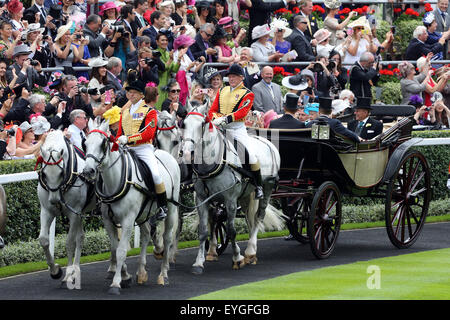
point(23, 205)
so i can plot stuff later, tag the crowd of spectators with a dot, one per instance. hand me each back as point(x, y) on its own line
point(165, 44)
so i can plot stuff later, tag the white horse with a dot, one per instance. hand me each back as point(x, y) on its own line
point(128, 200)
point(223, 179)
point(61, 190)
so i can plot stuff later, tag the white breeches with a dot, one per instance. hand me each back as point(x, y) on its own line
point(239, 132)
point(146, 152)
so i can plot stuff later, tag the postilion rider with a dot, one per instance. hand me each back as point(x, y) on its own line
point(137, 129)
point(229, 110)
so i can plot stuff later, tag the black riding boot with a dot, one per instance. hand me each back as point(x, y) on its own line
point(259, 194)
point(161, 200)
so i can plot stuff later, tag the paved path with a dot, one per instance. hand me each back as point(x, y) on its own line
point(276, 257)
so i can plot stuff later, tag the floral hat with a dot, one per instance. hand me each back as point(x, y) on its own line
point(113, 114)
point(332, 4)
point(280, 24)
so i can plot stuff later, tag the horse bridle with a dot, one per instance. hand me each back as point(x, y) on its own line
point(109, 138)
point(55, 162)
point(207, 121)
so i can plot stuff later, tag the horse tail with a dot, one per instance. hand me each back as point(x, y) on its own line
point(274, 220)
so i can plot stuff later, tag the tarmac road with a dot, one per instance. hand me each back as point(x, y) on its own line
point(276, 257)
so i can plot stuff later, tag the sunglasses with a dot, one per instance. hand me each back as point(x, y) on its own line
point(304, 22)
point(208, 34)
point(175, 90)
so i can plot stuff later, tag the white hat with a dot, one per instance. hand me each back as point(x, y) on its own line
point(25, 126)
point(280, 24)
point(35, 27)
point(332, 4)
point(260, 31)
point(339, 105)
point(166, 3)
point(63, 30)
point(40, 125)
point(322, 35)
point(360, 22)
point(97, 62)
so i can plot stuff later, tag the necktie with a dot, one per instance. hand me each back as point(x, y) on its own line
point(309, 26)
point(271, 91)
point(83, 141)
point(360, 126)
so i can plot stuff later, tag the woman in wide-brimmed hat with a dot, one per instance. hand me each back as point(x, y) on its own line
point(331, 23)
point(66, 52)
point(219, 41)
point(109, 12)
point(280, 31)
point(99, 78)
point(42, 50)
point(263, 50)
point(236, 33)
point(361, 41)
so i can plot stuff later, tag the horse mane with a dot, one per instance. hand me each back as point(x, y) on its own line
point(53, 139)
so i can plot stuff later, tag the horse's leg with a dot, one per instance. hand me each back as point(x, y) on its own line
point(170, 224)
point(46, 220)
point(231, 207)
point(212, 251)
point(141, 274)
point(111, 230)
point(70, 248)
point(175, 236)
point(197, 267)
point(121, 253)
point(252, 222)
point(158, 246)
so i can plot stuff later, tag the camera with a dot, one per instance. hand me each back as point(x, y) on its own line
point(427, 109)
point(78, 36)
point(331, 65)
point(182, 28)
point(10, 131)
point(117, 28)
point(317, 67)
point(92, 91)
point(156, 54)
point(45, 38)
point(34, 63)
point(393, 29)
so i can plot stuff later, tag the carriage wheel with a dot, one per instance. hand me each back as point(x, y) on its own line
point(324, 220)
point(407, 200)
point(298, 217)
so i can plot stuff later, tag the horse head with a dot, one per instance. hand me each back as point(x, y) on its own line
point(52, 156)
point(167, 134)
point(97, 148)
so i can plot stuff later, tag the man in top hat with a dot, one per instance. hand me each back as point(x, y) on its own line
point(288, 120)
point(364, 126)
point(27, 75)
point(325, 110)
point(137, 129)
point(229, 110)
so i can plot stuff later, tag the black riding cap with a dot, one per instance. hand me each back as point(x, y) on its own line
point(236, 69)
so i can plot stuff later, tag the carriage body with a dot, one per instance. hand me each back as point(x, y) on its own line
point(316, 173)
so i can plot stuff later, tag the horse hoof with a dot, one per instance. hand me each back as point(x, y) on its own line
point(58, 275)
point(110, 275)
point(238, 264)
point(212, 257)
point(141, 279)
point(125, 283)
point(163, 281)
point(197, 270)
point(114, 291)
point(252, 259)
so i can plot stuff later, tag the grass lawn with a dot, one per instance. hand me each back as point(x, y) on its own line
point(416, 276)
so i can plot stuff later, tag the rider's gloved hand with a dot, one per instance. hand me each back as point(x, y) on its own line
point(219, 122)
point(123, 140)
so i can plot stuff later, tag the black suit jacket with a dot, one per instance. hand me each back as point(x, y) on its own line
point(371, 128)
point(314, 28)
point(417, 49)
point(359, 80)
point(198, 48)
point(33, 10)
point(31, 77)
point(301, 45)
point(287, 121)
point(337, 127)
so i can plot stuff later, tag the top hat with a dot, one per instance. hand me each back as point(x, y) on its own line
point(235, 69)
point(291, 101)
point(325, 103)
point(363, 103)
point(137, 85)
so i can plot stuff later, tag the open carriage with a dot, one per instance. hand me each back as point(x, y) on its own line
point(319, 167)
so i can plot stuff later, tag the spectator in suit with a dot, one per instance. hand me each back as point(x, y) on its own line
point(158, 21)
point(44, 18)
point(140, 7)
point(129, 20)
point(131, 61)
point(441, 16)
point(27, 74)
point(268, 94)
point(97, 41)
point(363, 76)
point(325, 110)
point(299, 41)
point(202, 46)
point(259, 14)
point(78, 122)
point(288, 120)
point(364, 126)
point(418, 47)
point(306, 8)
point(114, 69)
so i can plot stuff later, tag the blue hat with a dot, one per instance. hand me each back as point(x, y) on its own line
point(311, 107)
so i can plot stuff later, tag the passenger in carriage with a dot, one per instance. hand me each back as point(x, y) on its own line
point(229, 110)
point(364, 126)
point(288, 120)
point(137, 129)
point(325, 110)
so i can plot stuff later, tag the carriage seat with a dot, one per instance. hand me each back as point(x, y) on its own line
point(144, 170)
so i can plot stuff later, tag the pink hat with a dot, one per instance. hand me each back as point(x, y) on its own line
point(15, 6)
point(269, 116)
point(181, 41)
point(226, 22)
point(107, 6)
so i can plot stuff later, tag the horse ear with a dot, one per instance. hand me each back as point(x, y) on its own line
point(105, 125)
point(188, 106)
point(91, 124)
